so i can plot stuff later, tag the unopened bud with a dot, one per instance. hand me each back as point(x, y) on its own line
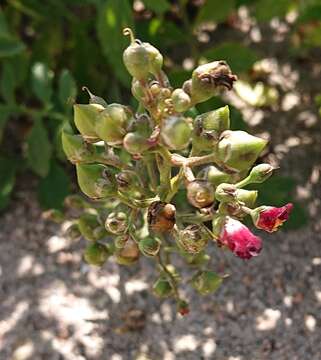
point(200, 193)
point(161, 217)
point(183, 307)
point(193, 239)
point(225, 192)
point(181, 101)
point(206, 282)
point(96, 254)
point(149, 246)
point(90, 228)
point(85, 117)
point(117, 222)
point(238, 150)
point(162, 287)
point(260, 173)
point(176, 132)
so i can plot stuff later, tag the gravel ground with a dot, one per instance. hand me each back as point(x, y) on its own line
point(53, 306)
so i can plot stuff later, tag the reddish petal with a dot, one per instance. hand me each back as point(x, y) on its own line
point(272, 217)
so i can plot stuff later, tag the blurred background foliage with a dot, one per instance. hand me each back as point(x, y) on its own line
point(50, 49)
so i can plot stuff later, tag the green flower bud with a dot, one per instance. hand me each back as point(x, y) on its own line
point(111, 124)
point(85, 116)
point(225, 192)
point(247, 197)
point(129, 253)
point(117, 222)
point(149, 246)
point(135, 143)
point(213, 175)
point(193, 239)
point(90, 228)
point(238, 150)
point(206, 282)
point(141, 59)
point(207, 79)
point(76, 149)
point(260, 173)
point(96, 254)
point(94, 182)
point(162, 287)
point(161, 217)
point(181, 100)
point(176, 132)
point(200, 193)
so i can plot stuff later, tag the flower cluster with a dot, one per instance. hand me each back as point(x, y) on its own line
point(161, 181)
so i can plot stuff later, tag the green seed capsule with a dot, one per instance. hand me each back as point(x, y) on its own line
point(73, 232)
point(117, 222)
point(200, 193)
point(135, 143)
point(96, 254)
point(213, 175)
point(141, 59)
point(162, 287)
point(149, 246)
point(76, 149)
point(260, 173)
point(90, 228)
point(129, 253)
point(94, 182)
point(225, 192)
point(238, 150)
point(193, 239)
point(247, 197)
point(181, 100)
point(85, 117)
point(206, 282)
point(111, 124)
point(176, 132)
point(128, 182)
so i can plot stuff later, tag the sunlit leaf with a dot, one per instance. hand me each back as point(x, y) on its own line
point(42, 81)
point(67, 88)
point(39, 149)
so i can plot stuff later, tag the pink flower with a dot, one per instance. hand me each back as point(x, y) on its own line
point(239, 239)
point(270, 218)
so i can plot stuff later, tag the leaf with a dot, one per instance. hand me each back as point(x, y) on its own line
point(265, 10)
point(8, 82)
point(9, 45)
point(8, 169)
point(158, 6)
point(4, 117)
point(215, 10)
point(54, 187)
point(309, 14)
point(39, 149)
point(67, 90)
point(42, 82)
point(113, 17)
point(239, 57)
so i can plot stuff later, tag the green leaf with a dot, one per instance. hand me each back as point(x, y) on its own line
point(42, 82)
point(8, 82)
point(158, 6)
point(39, 149)
point(54, 187)
point(265, 10)
point(239, 57)
point(113, 17)
point(67, 88)
point(310, 13)
point(215, 10)
point(9, 45)
point(4, 117)
point(8, 169)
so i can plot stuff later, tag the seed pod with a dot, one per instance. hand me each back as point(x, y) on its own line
point(135, 143)
point(162, 287)
point(200, 193)
point(193, 238)
point(96, 254)
point(85, 116)
point(199, 259)
point(225, 192)
point(111, 124)
point(141, 58)
point(129, 253)
point(238, 150)
point(207, 79)
point(117, 222)
point(206, 282)
point(247, 197)
point(90, 227)
point(161, 217)
point(176, 132)
point(128, 182)
point(181, 100)
point(213, 175)
point(76, 149)
point(149, 246)
point(94, 182)
point(260, 173)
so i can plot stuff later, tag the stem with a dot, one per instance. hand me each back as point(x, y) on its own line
point(175, 182)
point(243, 182)
point(148, 159)
point(112, 160)
point(165, 177)
point(170, 277)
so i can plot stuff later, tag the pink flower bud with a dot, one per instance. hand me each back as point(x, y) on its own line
point(239, 239)
point(270, 218)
